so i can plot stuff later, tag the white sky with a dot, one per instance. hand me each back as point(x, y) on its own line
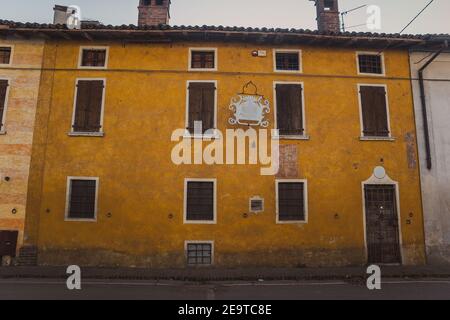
point(249, 13)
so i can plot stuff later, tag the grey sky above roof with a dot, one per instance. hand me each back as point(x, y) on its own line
point(395, 14)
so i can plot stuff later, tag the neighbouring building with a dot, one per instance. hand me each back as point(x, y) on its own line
point(104, 188)
point(20, 74)
point(431, 72)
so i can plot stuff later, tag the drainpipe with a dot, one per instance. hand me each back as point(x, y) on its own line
point(424, 103)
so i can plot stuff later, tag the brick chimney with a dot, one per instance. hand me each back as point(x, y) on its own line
point(153, 12)
point(328, 15)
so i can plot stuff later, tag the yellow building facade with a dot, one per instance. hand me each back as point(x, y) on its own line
point(20, 74)
point(140, 197)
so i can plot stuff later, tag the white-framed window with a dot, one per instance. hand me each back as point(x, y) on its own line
point(201, 106)
point(291, 201)
point(374, 112)
point(256, 204)
point(200, 201)
point(203, 59)
point(81, 198)
point(4, 94)
point(370, 63)
point(6, 55)
point(93, 57)
point(287, 60)
point(289, 110)
point(199, 253)
point(88, 107)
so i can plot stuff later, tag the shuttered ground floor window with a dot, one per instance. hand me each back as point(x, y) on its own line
point(291, 201)
point(200, 201)
point(82, 198)
point(198, 253)
point(3, 96)
point(374, 111)
point(88, 106)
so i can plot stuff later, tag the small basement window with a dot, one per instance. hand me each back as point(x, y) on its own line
point(256, 204)
point(5, 55)
point(287, 61)
point(370, 64)
point(93, 57)
point(199, 254)
point(203, 59)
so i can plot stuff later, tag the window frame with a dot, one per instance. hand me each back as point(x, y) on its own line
point(187, 242)
point(361, 118)
point(256, 198)
point(186, 181)
point(69, 193)
point(370, 53)
point(305, 200)
point(10, 57)
point(100, 133)
point(187, 134)
point(216, 59)
point(80, 57)
point(305, 135)
point(5, 109)
point(300, 60)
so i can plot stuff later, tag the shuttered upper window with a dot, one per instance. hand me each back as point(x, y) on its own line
point(370, 63)
point(203, 59)
point(200, 201)
point(291, 201)
point(82, 198)
point(201, 105)
point(289, 106)
point(93, 57)
point(88, 106)
point(5, 55)
point(287, 60)
point(374, 111)
point(4, 84)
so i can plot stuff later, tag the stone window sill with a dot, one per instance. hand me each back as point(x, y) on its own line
point(377, 139)
point(294, 137)
point(86, 134)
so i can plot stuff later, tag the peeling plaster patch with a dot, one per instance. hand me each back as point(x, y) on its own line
point(288, 161)
point(410, 140)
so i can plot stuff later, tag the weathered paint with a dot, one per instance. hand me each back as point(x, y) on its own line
point(435, 182)
point(143, 190)
point(15, 142)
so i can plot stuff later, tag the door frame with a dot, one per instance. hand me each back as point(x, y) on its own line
point(386, 180)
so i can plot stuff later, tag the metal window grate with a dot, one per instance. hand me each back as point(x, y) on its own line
point(199, 254)
point(82, 199)
point(291, 201)
point(203, 60)
point(5, 55)
point(288, 61)
point(200, 201)
point(94, 58)
point(370, 63)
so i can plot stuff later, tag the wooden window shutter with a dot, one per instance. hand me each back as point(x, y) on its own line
point(3, 88)
point(88, 106)
point(289, 109)
point(201, 105)
point(200, 201)
point(374, 111)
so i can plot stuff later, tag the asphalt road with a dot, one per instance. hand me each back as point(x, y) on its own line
point(45, 289)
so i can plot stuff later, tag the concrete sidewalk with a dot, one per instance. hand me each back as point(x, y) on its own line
point(213, 274)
